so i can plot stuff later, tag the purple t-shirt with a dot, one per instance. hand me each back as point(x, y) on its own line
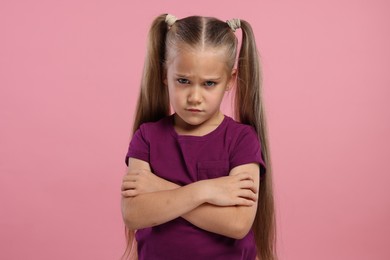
point(184, 159)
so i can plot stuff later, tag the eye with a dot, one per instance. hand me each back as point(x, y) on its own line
point(183, 81)
point(210, 83)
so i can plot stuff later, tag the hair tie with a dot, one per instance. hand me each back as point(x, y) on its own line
point(170, 19)
point(234, 24)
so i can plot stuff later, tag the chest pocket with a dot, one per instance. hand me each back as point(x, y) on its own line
point(212, 169)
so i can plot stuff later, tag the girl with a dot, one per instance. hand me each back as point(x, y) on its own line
point(199, 183)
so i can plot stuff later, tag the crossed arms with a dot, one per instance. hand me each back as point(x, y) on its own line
point(225, 205)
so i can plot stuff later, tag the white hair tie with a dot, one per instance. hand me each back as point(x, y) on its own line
point(234, 23)
point(170, 19)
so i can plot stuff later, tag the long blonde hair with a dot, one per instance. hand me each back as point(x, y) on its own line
point(153, 101)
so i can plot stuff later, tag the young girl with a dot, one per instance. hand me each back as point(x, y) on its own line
point(199, 183)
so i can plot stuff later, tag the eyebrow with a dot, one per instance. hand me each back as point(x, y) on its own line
point(182, 75)
point(189, 76)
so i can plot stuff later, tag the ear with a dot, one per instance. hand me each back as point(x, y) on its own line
point(232, 80)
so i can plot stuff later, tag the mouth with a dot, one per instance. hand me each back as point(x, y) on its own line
point(193, 110)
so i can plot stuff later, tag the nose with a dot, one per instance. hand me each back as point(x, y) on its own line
point(195, 95)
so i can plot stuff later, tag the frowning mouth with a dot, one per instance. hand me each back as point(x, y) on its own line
point(193, 110)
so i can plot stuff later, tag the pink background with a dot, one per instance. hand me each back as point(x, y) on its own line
point(69, 77)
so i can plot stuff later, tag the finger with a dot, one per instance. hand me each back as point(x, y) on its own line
point(248, 184)
point(244, 202)
point(132, 177)
point(129, 185)
point(247, 194)
point(136, 172)
point(129, 193)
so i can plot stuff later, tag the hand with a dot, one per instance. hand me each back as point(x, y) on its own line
point(143, 181)
point(238, 189)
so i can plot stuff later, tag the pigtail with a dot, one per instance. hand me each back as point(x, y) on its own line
point(153, 100)
point(249, 110)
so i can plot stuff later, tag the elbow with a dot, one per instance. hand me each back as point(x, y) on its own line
point(128, 219)
point(130, 226)
point(129, 223)
point(240, 231)
point(241, 227)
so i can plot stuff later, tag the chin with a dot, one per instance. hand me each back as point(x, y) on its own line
point(192, 120)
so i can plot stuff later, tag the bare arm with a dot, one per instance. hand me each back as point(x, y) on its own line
point(161, 206)
point(229, 220)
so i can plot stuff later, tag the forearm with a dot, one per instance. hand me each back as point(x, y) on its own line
point(154, 208)
point(230, 221)
point(148, 200)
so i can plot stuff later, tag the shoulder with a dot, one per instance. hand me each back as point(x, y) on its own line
point(245, 145)
point(237, 130)
point(150, 129)
point(242, 137)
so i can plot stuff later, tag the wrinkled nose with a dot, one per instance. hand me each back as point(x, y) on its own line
point(195, 96)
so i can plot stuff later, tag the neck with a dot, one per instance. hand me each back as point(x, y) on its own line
point(183, 128)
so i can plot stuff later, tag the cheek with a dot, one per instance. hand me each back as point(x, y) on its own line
point(175, 96)
point(217, 96)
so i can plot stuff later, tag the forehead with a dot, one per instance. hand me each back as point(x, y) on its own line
point(202, 62)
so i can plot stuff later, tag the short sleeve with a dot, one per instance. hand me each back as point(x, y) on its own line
point(138, 147)
point(247, 149)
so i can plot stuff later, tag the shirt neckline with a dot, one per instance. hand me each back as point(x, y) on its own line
point(207, 136)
